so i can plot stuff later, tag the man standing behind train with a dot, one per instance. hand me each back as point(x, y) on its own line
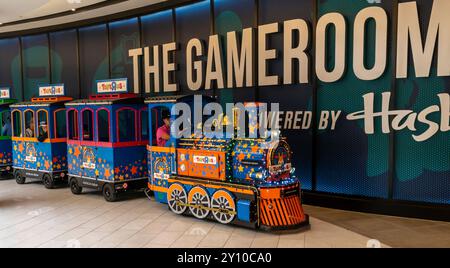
point(163, 132)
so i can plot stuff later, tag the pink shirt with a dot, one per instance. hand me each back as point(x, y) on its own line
point(160, 141)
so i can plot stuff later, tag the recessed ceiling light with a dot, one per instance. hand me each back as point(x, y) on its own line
point(73, 9)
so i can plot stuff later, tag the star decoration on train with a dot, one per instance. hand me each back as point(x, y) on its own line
point(77, 152)
point(21, 147)
point(107, 173)
point(134, 170)
point(254, 148)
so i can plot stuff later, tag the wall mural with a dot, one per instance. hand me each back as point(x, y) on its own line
point(404, 146)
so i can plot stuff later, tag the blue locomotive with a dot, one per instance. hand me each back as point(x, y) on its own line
point(39, 137)
point(242, 181)
point(107, 138)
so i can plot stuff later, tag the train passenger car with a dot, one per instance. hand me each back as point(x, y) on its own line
point(107, 138)
point(243, 181)
point(39, 137)
point(5, 135)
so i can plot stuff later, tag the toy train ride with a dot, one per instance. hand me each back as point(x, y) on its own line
point(107, 138)
point(245, 182)
point(5, 135)
point(113, 146)
point(39, 137)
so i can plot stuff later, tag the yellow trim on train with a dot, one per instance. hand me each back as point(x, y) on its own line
point(31, 139)
point(203, 183)
point(158, 189)
point(213, 186)
point(161, 149)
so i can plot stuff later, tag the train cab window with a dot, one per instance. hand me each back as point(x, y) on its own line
point(88, 131)
point(158, 125)
point(42, 131)
point(29, 124)
point(144, 125)
point(103, 125)
point(17, 124)
point(126, 125)
point(72, 116)
point(60, 123)
point(6, 123)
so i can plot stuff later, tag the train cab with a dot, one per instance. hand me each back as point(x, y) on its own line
point(162, 161)
point(6, 131)
point(107, 138)
point(39, 137)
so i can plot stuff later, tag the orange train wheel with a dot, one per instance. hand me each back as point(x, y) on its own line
point(177, 198)
point(199, 202)
point(223, 206)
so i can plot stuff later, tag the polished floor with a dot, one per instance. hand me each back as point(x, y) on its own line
point(32, 216)
point(394, 231)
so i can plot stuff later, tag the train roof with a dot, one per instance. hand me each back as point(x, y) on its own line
point(7, 101)
point(42, 102)
point(175, 98)
point(108, 99)
point(163, 99)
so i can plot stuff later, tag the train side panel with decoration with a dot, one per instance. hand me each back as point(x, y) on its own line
point(6, 131)
point(246, 182)
point(39, 137)
point(107, 138)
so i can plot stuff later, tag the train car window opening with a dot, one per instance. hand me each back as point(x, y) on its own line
point(72, 116)
point(42, 117)
point(157, 121)
point(30, 129)
point(87, 125)
point(60, 123)
point(103, 125)
point(144, 125)
point(6, 123)
point(17, 123)
point(126, 120)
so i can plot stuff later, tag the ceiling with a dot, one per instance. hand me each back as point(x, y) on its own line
point(26, 9)
point(18, 10)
